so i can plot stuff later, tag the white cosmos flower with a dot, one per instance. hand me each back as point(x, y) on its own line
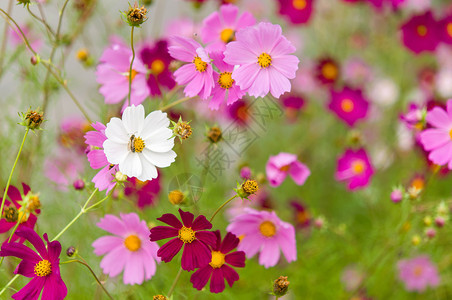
point(139, 145)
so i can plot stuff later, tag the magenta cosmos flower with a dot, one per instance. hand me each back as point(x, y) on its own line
point(263, 56)
point(327, 71)
point(438, 139)
point(157, 59)
point(420, 33)
point(445, 29)
point(264, 232)
point(302, 216)
point(349, 105)
point(198, 73)
point(219, 28)
point(128, 249)
point(418, 273)
point(283, 164)
point(113, 75)
point(219, 267)
point(98, 160)
point(42, 265)
point(225, 87)
point(145, 192)
point(296, 11)
point(192, 235)
point(354, 168)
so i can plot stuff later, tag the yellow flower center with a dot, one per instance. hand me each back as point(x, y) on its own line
point(186, 235)
point(157, 66)
point(299, 4)
point(358, 166)
point(421, 30)
point(347, 105)
point(285, 168)
point(132, 242)
point(136, 144)
point(227, 35)
point(217, 260)
point(225, 80)
point(418, 183)
point(200, 65)
point(134, 73)
point(302, 216)
point(449, 29)
point(330, 71)
point(450, 134)
point(43, 268)
point(264, 60)
point(267, 228)
point(417, 270)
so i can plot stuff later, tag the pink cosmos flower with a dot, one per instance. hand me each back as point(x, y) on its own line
point(113, 75)
point(219, 267)
point(420, 33)
point(17, 40)
point(128, 249)
point(264, 232)
point(198, 73)
point(63, 167)
point(263, 56)
point(354, 168)
point(42, 265)
point(225, 87)
point(438, 139)
point(413, 118)
point(219, 28)
point(185, 27)
point(146, 193)
point(418, 273)
point(296, 11)
point(349, 105)
point(283, 164)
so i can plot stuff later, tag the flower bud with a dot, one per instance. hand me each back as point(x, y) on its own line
point(439, 221)
point(182, 129)
point(214, 134)
point(396, 195)
point(247, 188)
point(71, 251)
point(176, 197)
point(120, 177)
point(82, 54)
point(32, 119)
point(427, 220)
point(245, 173)
point(430, 233)
point(79, 184)
point(34, 60)
point(416, 240)
point(319, 222)
point(280, 286)
point(159, 297)
point(136, 16)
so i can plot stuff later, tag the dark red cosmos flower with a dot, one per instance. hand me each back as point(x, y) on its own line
point(302, 216)
point(420, 33)
point(218, 269)
point(157, 59)
point(192, 235)
point(327, 71)
point(146, 193)
point(11, 213)
point(43, 266)
point(296, 11)
point(293, 103)
point(240, 112)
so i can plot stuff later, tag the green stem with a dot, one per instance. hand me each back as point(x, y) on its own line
point(222, 205)
point(173, 286)
point(11, 173)
point(176, 103)
point(8, 284)
point(5, 39)
point(49, 30)
point(131, 65)
point(100, 201)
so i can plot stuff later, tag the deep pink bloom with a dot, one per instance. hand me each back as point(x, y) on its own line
point(283, 164)
point(97, 158)
point(293, 104)
point(198, 73)
point(349, 105)
point(128, 249)
point(63, 167)
point(413, 118)
point(328, 71)
point(418, 273)
point(420, 33)
point(445, 29)
point(42, 265)
point(245, 172)
point(396, 195)
point(263, 56)
point(296, 11)
point(219, 268)
point(239, 112)
point(113, 75)
point(225, 88)
point(193, 235)
point(354, 168)
point(302, 216)
point(219, 28)
point(71, 133)
point(146, 193)
point(157, 60)
point(438, 139)
point(264, 232)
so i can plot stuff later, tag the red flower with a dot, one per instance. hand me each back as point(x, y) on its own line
point(146, 193)
point(327, 71)
point(218, 269)
point(192, 235)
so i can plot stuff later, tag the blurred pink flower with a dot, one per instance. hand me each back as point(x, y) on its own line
point(418, 273)
point(184, 27)
point(349, 105)
point(33, 39)
point(72, 130)
point(296, 11)
point(445, 29)
point(145, 192)
point(351, 278)
point(354, 168)
point(63, 167)
point(283, 164)
point(420, 33)
point(356, 71)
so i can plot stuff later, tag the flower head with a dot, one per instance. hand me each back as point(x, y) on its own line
point(327, 71)
point(445, 29)
point(302, 216)
point(136, 16)
point(280, 286)
point(420, 33)
point(296, 11)
point(33, 119)
point(145, 192)
point(128, 249)
point(42, 265)
point(283, 164)
point(349, 105)
point(354, 168)
point(418, 273)
point(192, 235)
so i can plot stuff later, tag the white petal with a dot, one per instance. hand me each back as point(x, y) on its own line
point(160, 160)
point(160, 140)
point(131, 165)
point(133, 119)
point(115, 152)
point(149, 171)
point(116, 132)
point(154, 121)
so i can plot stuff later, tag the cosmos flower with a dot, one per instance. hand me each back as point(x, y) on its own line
point(420, 33)
point(328, 71)
point(146, 193)
point(63, 167)
point(72, 130)
point(192, 235)
point(42, 265)
point(445, 29)
point(293, 104)
point(219, 267)
point(283, 164)
point(198, 73)
point(354, 168)
point(219, 28)
point(349, 105)
point(239, 112)
point(413, 118)
point(301, 214)
point(137, 144)
point(264, 232)
point(418, 273)
point(17, 40)
point(128, 249)
point(296, 11)
point(263, 56)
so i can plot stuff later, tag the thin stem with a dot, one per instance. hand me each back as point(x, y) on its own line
point(173, 286)
point(8, 284)
point(176, 103)
point(19, 220)
point(11, 173)
point(131, 64)
point(49, 30)
point(18, 27)
point(222, 205)
point(100, 201)
point(5, 38)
